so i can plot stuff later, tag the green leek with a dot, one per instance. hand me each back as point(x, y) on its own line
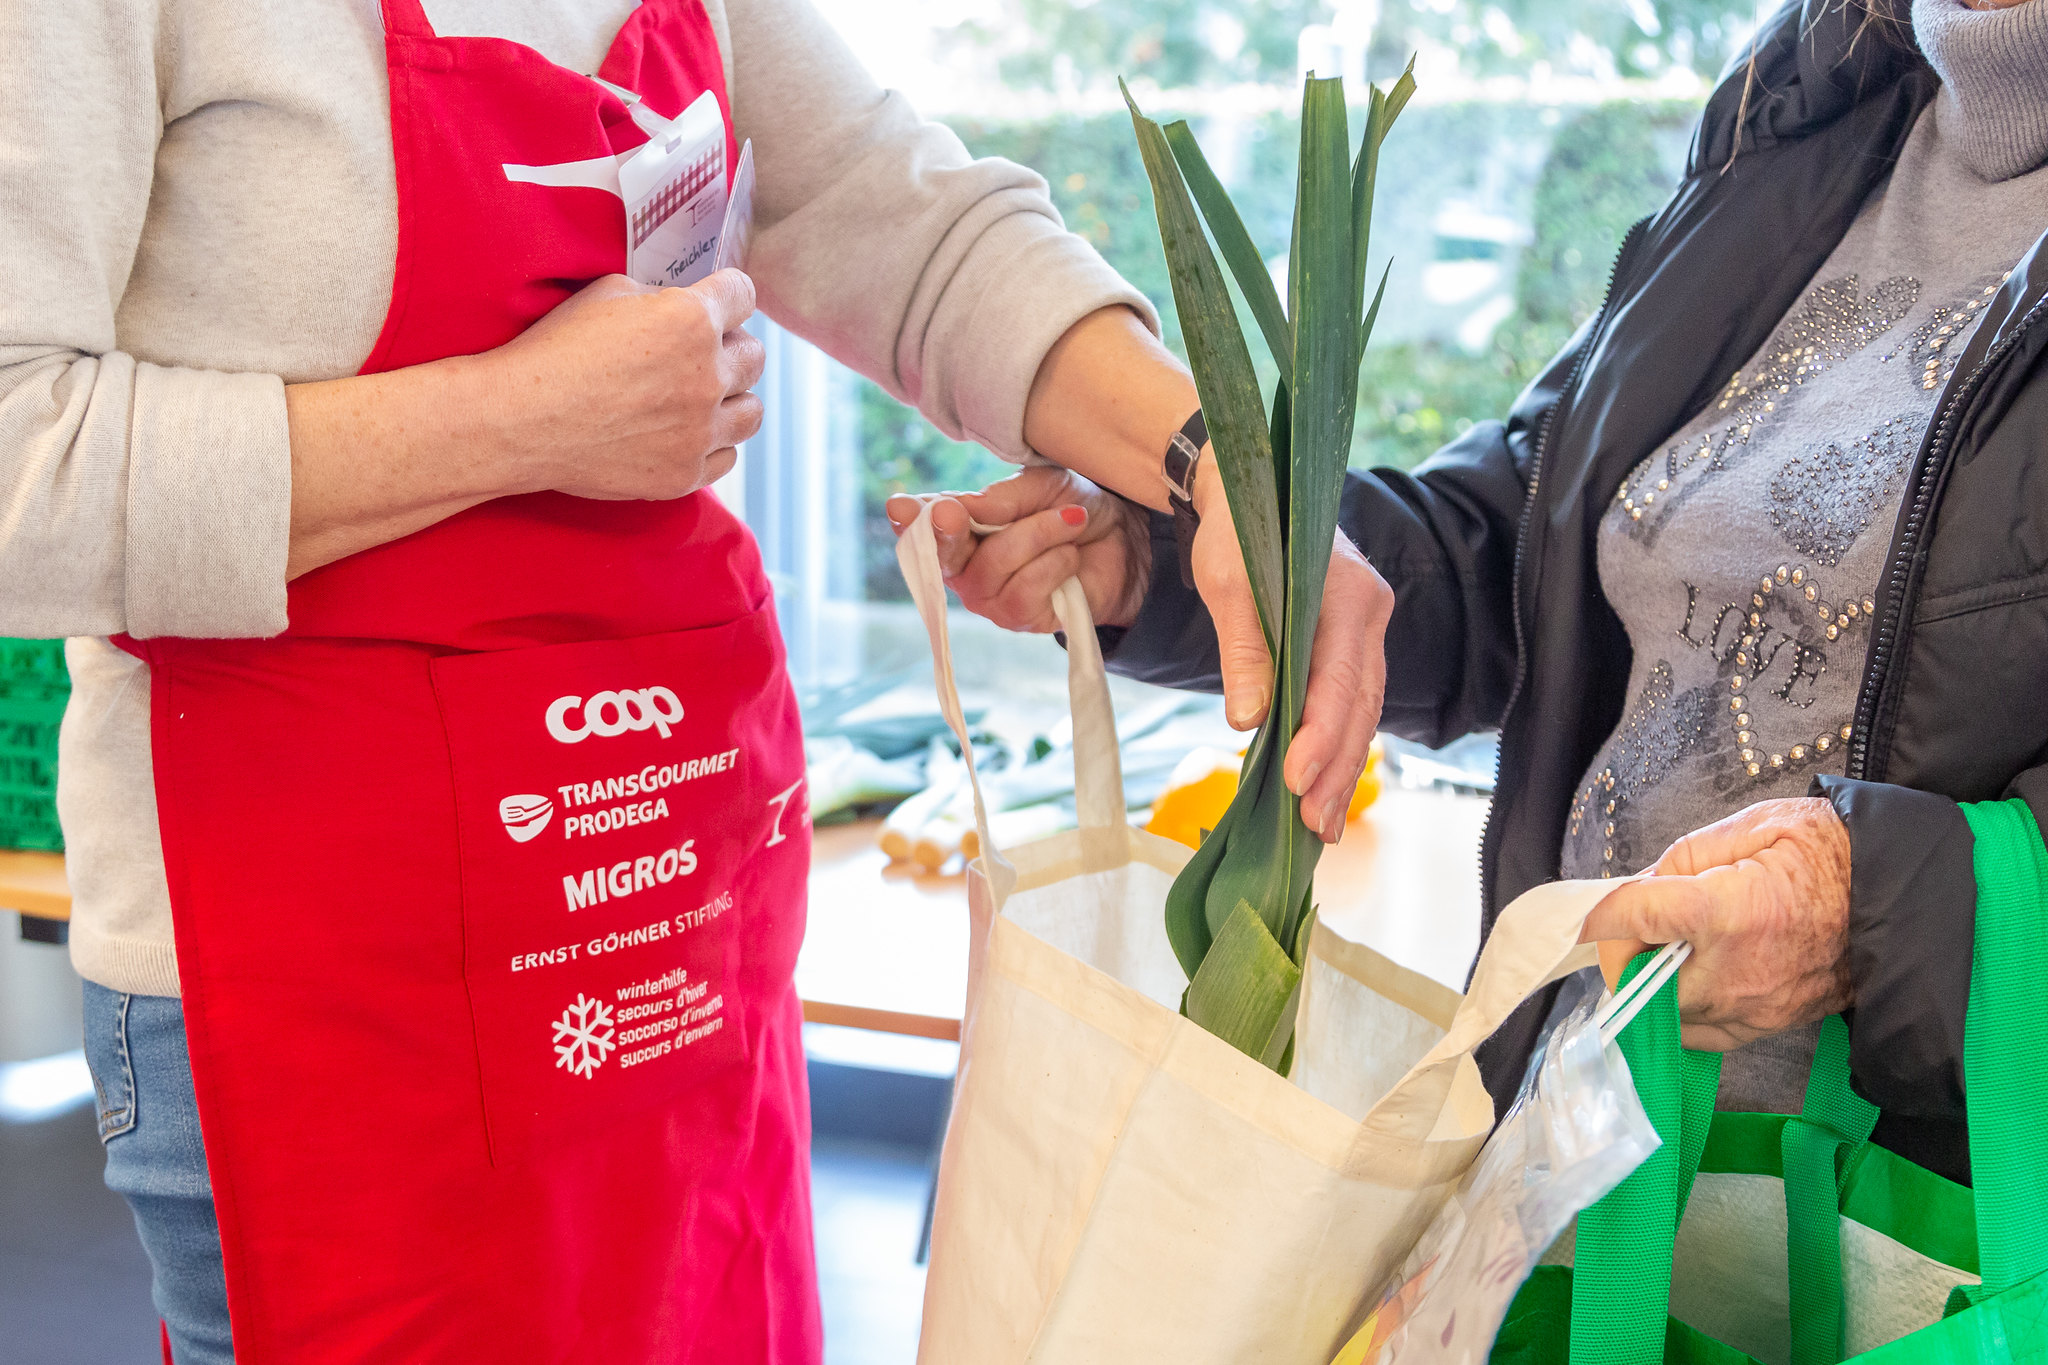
point(1240, 912)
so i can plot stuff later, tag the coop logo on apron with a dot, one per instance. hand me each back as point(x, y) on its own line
point(575, 719)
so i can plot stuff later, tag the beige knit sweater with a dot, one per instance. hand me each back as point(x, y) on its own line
point(197, 208)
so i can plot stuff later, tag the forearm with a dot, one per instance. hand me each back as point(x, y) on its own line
point(619, 393)
point(377, 457)
point(1107, 399)
point(943, 277)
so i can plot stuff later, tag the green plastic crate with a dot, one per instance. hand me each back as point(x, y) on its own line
point(33, 661)
point(33, 690)
point(30, 821)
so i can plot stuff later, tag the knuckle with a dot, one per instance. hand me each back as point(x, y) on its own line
point(1372, 701)
point(1221, 581)
point(750, 358)
point(742, 293)
point(747, 413)
point(1243, 654)
point(690, 316)
point(679, 480)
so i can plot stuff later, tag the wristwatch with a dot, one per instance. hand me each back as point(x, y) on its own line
point(1183, 456)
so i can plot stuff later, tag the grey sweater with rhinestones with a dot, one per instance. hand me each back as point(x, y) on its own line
point(1742, 556)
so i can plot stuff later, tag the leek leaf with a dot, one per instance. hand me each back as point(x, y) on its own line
point(1247, 267)
point(1323, 398)
point(1364, 175)
point(1372, 314)
point(1301, 938)
point(1279, 1051)
point(1245, 985)
point(1381, 111)
point(1255, 865)
point(1398, 95)
point(1187, 922)
point(1224, 376)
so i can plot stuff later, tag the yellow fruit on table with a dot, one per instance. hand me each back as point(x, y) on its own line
point(1195, 797)
point(1202, 786)
point(1368, 790)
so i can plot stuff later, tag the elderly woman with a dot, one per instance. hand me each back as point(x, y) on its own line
point(1751, 576)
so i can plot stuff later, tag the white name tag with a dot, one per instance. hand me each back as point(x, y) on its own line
point(674, 189)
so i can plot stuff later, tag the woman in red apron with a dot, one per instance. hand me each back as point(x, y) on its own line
point(504, 842)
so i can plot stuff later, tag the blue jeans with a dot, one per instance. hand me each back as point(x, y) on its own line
point(149, 1121)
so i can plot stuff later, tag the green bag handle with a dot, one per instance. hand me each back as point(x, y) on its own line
point(1815, 1150)
point(2005, 1057)
point(1625, 1240)
point(1621, 1276)
point(2005, 1046)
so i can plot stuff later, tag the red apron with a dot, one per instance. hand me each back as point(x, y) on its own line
point(488, 877)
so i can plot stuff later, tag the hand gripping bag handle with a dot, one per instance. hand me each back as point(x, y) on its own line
point(1626, 1258)
point(1098, 770)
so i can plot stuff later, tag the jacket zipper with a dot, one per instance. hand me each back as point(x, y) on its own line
point(1885, 638)
point(1571, 379)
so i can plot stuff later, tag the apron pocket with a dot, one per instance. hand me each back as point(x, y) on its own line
point(615, 803)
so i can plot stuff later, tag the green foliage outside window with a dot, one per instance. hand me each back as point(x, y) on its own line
point(1603, 167)
point(1063, 45)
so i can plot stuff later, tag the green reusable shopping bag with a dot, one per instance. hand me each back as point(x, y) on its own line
point(1615, 1305)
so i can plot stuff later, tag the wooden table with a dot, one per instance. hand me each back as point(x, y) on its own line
point(887, 945)
point(35, 884)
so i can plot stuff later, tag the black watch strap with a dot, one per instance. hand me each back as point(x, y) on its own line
point(1183, 456)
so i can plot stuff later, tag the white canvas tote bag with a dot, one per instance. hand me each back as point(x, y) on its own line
point(1118, 1185)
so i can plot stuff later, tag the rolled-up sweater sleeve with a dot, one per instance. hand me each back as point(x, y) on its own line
point(943, 278)
point(133, 497)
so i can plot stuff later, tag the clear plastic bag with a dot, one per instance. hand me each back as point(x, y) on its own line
point(1574, 1132)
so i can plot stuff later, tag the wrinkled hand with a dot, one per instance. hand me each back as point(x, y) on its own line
point(1347, 678)
point(1763, 897)
point(1063, 526)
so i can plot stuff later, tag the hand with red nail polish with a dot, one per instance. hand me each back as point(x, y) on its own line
point(1056, 526)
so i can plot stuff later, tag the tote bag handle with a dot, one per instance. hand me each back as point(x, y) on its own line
point(1098, 770)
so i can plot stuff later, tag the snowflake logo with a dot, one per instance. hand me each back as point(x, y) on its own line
point(583, 1036)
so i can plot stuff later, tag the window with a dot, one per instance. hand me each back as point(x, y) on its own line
point(1542, 129)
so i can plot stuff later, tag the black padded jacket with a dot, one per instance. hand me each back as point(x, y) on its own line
point(1500, 621)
